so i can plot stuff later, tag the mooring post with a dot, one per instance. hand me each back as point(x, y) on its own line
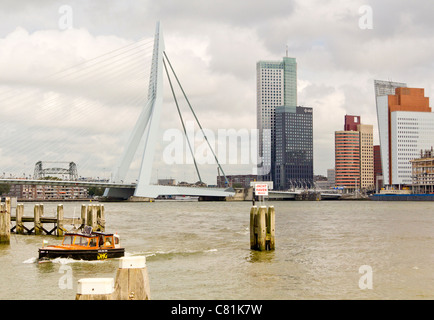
point(37, 220)
point(271, 218)
point(8, 205)
point(253, 219)
point(5, 221)
point(19, 226)
point(101, 217)
point(95, 289)
point(60, 230)
point(83, 215)
point(91, 216)
point(132, 281)
point(262, 228)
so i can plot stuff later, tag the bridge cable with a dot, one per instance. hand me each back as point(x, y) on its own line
point(182, 121)
point(197, 120)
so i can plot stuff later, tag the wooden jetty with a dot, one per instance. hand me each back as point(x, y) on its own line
point(91, 215)
point(262, 228)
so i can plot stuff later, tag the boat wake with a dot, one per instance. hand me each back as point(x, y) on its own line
point(174, 253)
point(60, 261)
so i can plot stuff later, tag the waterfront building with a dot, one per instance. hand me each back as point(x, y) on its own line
point(294, 148)
point(378, 171)
point(242, 180)
point(46, 192)
point(366, 156)
point(423, 173)
point(347, 160)
point(354, 159)
point(331, 177)
point(276, 86)
point(405, 126)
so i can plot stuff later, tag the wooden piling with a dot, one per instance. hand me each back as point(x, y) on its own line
point(83, 215)
point(5, 221)
point(92, 216)
point(95, 289)
point(8, 205)
point(132, 281)
point(262, 228)
point(101, 218)
point(19, 213)
point(37, 211)
point(271, 231)
point(253, 214)
point(60, 230)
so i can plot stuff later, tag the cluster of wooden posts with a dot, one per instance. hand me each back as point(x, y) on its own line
point(91, 215)
point(262, 228)
point(131, 283)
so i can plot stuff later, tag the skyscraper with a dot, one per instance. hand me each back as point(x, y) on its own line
point(406, 126)
point(347, 159)
point(276, 86)
point(294, 148)
point(354, 159)
point(288, 156)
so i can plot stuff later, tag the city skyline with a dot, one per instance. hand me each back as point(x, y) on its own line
point(338, 62)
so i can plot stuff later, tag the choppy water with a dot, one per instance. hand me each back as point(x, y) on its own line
point(201, 250)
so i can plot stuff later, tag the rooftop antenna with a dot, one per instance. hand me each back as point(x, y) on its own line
point(287, 51)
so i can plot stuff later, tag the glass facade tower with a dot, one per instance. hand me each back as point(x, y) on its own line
point(278, 114)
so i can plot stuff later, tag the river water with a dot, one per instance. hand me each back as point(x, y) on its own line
point(201, 250)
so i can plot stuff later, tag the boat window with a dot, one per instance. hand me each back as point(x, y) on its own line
point(68, 240)
point(116, 240)
point(108, 241)
point(92, 242)
point(81, 241)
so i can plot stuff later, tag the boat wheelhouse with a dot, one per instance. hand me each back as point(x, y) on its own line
point(85, 246)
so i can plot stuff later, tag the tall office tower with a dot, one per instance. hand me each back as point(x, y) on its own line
point(276, 86)
point(382, 90)
point(294, 148)
point(354, 159)
point(347, 159)
point(406, 126)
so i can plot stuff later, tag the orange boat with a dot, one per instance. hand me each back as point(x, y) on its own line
point(85, 246)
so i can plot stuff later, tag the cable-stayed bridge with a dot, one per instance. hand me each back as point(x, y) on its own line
point(142, 139)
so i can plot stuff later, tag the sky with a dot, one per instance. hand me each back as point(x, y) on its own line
point(341, 47)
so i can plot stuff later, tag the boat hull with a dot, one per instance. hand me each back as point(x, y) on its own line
point(94, 254)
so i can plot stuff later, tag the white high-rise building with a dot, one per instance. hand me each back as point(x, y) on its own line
point(382, 90)
point(411, 133)
point(405, 126)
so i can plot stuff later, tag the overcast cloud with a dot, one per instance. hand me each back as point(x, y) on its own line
point(214, 47)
